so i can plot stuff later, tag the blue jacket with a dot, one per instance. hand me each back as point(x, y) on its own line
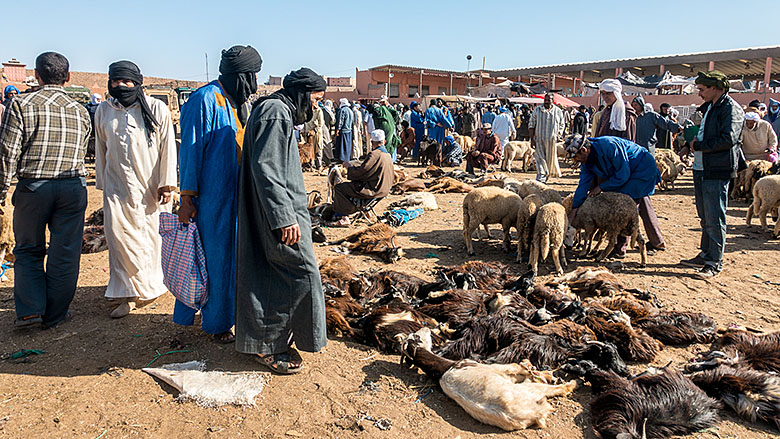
point(622, 165)
point(345, 119)
point(646, 125)
point(488, 117)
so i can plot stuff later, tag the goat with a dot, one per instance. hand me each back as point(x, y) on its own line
point(399, 174)
point(336, 175)
point(377, 239)
point(509, 396)
point(753, 395)
point(456, 308)
point(429, 152)
point(489, 205)
point(336, 312)
point(678, 328)
point(406, 287)
point(94, 240)
point(313, 199)
point(615, 327)
point(306, 150)
point(739, 348)
point(386, 327)
point(410, 185)
point(431, 171)
point(656, 404)
point(486, 275)
point(96, 218)
point(589, 282)
point(338, 270)
point(449, 184)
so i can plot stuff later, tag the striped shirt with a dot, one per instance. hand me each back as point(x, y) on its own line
point(44, 135)
point(547, 123)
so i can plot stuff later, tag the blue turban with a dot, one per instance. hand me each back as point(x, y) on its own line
point(9, 89)
point(502, 110)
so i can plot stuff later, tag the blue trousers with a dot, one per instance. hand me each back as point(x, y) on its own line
point(711, 205)
point(59, 205)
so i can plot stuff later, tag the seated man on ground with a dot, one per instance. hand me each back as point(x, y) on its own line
point(452, 153)
point(372, 179)
point(486, 151)
point(407, 140)
point(614, 164)
point(759, 141)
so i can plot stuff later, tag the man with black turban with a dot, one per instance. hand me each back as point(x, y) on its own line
point(135, 167)
point(279, 298)
point(716, 157)
point(212, 132)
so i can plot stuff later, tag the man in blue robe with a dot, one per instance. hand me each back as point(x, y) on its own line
point(614, 164)
point(417, 121)
point(212, 131)
point(437, 120)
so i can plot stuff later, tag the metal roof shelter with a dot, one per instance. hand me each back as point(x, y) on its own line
point(751, 63)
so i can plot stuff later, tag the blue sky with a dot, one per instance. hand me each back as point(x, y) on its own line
point(170, 38)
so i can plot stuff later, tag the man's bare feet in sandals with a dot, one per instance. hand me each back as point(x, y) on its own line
point(225, 337)
point(286, 363)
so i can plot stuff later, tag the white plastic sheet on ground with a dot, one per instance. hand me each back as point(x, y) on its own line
point(210, 388)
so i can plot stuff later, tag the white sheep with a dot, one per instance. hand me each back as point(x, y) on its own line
point(669, 166)
point(612, 214)
point(526, 187)
point(766, 196)
point(489, 205)
point(549, 230)
point(517, 149)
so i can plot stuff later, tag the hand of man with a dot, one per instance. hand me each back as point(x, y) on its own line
point(573, 215)
point(291, 234)
point(187, 209)
point(692, 145)
point(595, 191)
point(164, 195)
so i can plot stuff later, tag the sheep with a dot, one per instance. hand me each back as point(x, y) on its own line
point(410, 185)
point(424, 200)
point(613, 214)
point(656, 404)
point(466, 143)
point(753, 395)
point(549, 230)
point(669, 166)
point(766, 196)
point(449, 184)
point(378, 239)
point(526, 217)
point(526, 187)
point(489, 205)
point(336, 175)
point(517, 149)
point(747, 178)
point(509, 396)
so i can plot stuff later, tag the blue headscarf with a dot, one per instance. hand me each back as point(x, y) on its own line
point(773, 114)
point(9, 89)
point(502, 110)
point(450, 139)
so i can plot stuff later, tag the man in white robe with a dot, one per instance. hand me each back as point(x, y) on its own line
point(357, 132)
point(546, 128)
point(135, 168)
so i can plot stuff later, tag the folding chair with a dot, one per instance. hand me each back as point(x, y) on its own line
point(366, 209)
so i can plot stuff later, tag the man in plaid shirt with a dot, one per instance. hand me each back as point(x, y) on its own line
point(43, 140)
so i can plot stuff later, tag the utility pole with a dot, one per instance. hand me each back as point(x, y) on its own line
point(468, 74)
point(207, 67)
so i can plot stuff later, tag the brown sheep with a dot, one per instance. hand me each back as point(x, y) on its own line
point(747, 178)
point(377, 239)
point(517, 149)
point(489, 205)
point(549, 230)
point(766, 197)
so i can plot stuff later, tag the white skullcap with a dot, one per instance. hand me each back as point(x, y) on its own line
point(487, 125)
point(752, 116)
point(377, 136)
point(648, 107)
point(617, 117)
point(343, 102)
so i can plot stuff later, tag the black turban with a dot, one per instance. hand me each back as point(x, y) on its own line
point(713, 78)
point(296, 94)
point(128, 96)
point(238, 75)
point(304, 79)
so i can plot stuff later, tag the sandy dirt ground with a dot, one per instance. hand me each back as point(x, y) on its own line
point(89, 383)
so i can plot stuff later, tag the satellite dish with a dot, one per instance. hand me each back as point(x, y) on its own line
point(468, 57)
point(392, 75)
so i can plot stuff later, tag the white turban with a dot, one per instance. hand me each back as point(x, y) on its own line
point(377, 136)
point(96, 98)
point(648, 107)
point(752, 116)
point(674, 112)
point(617, 117)
point(343, 102)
